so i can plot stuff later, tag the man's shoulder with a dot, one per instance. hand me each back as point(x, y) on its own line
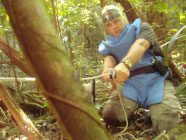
point(147, 33)
point(146, 29)
point(145, 25)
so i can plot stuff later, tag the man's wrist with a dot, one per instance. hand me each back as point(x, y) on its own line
point(127, 63)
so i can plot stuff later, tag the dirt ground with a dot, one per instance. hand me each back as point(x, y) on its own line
point(139, 127)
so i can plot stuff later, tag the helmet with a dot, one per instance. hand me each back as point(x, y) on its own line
point(110, 12)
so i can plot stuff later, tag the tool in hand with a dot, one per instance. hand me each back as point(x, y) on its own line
point(112, 75)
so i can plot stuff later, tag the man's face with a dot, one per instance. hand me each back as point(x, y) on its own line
point(114, 26)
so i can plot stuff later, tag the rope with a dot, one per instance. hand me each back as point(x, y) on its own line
point(28, 79)
point(123, 132)
point(163, 133)
point(125, 116)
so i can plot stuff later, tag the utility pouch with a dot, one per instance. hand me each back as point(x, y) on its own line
point(160, 68)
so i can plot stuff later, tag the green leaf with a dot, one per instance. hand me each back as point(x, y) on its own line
point(174, 30)
point(182, 16)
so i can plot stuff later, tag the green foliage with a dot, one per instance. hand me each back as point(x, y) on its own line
point(173, 39)
point(48, 7)
point(75, 13)
point(181, 137)
point(80, 62)
point(76, 20)
point(178, 132)
point(4, 21)
point(136, 1)
point(182, 88)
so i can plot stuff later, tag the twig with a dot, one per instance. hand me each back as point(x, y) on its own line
point(54, 14)
point(130, 135)
point(3, 112)
point(169, 41)
point(144, 131)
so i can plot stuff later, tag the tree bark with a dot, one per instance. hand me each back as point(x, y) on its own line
point(130, 10)
point(15, 57)
point(41, 45)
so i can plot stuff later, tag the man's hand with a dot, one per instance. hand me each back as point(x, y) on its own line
point(122, 73)
point(106, 75)
point(108, 65)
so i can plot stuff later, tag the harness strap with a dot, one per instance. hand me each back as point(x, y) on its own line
point(143, 70)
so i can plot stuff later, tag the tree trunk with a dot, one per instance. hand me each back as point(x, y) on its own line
point(130, 10)
point(52, 67)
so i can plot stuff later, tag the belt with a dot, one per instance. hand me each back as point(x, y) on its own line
point(143, 70)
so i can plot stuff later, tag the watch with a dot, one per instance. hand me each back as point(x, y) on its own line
point(127, 63)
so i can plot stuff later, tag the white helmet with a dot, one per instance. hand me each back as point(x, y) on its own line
point(109, 12)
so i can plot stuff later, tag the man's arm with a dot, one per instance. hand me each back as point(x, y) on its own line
point(143, 41)
point(135, 53)
point(137, 50)
point(108, 64)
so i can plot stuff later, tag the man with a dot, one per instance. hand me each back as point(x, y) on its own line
point(130, 51)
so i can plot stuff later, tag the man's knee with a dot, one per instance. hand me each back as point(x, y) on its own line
point(164, 117)
point(113, 110)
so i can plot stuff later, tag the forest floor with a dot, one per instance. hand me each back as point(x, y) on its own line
point(139, 127)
